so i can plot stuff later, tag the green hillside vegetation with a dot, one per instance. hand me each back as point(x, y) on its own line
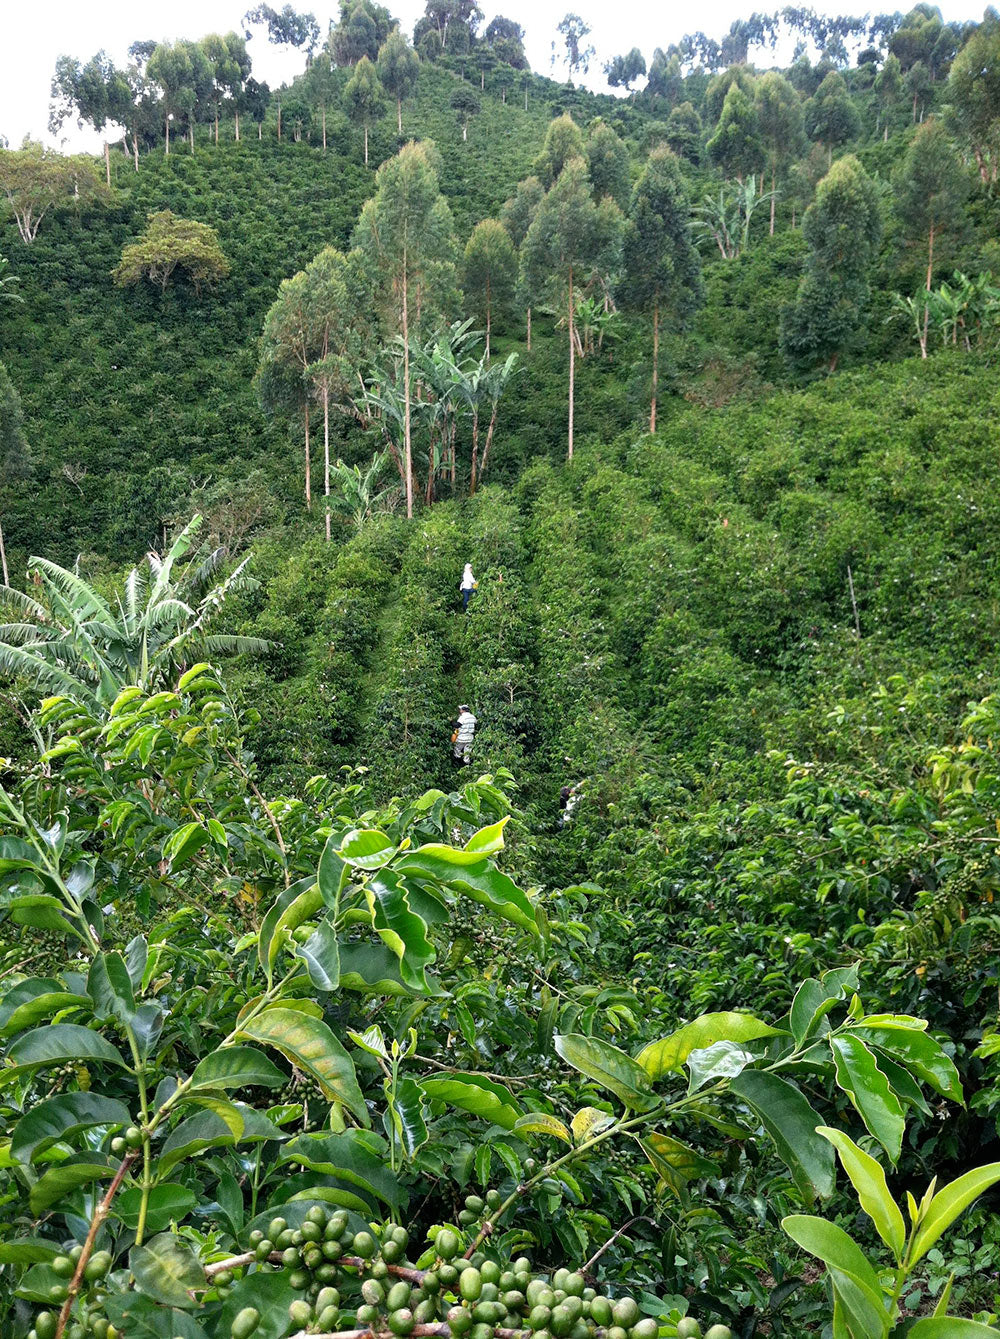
point(675, 1013)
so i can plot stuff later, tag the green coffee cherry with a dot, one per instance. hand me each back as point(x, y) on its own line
point(45, 1324)
point(459, 1320)
point(64, 1267)
point(397, 1296)
point(626, 1312)
point(688, 1328)
point(401, 1321)
point(365, 1245)
point(645, 1329)
point(300, 1312)
point(719, 1332)
point(447, 1244)
point(97, 1266)
point(244, 1323)
point(470, 1284)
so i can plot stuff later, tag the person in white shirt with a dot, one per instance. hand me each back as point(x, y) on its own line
point(465, 730)
point(467, 585)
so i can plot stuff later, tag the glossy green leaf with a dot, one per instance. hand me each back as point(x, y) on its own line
point(321, 955)
point(831, 1244)
point(948, 1203)
point(28, 1251)
point(868, 1178)
point(540, 1122)
point(400, 929)
point(865, 1316)
point(59, 1044)
point(270, 1294)
point(40, 911)
point(373, 969)
point(274, 913)
point(950, 1327)
point(366, 849)
point(608, 1067)
point(673, 1161)
point(474, 876)
point(58, 1182)
point(475, 1094)
point(920, 1054)
point(869, 1091)
point(183, 843)
point(791, 1122)
point(332, 876)
point(110, 987)
point(218, 1126)
point(721, 1060)
point(168, 1271)
point(296, 913)
point(30, 1001)
point(59, 1118)
point(668, 1055)
point(309, 1044)
point(487, 841)
point(409, 1116)
point(168, 1203)
point(140, 1317)
point(349, 1158)
point(237, 1067)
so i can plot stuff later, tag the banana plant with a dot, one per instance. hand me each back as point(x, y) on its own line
point(866, 1295)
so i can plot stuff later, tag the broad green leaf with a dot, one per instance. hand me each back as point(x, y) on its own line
point(237, 1067)
point(950, 1327)
point(40, 911)
point(673, 1161)
point(373, 969)
point(831, 1244)
point(220, 1126)
point(609, 1067)
point(28, 1251)
point(38, 1283)
point(110, 987)
point(865, 1316)
point(167, 1270)
point(483, 1163)
point(805, 1013)
point(589, 1121)
point(271, 918)
point(270, 1294)
point(372, 1041)
point(669, 1053)
point(920, 1054)
point(868, 1088)
point(721, 1060)
point(59, 1118)
point(399, 928)
point(59, 1044)
point(332, 876)
point(474, 876)
point(540, 1122)
point(296, 913)
point(868, 1178)
point(344, 1199)
point(140, 1317)
point(309, 1044)
point(30, 1001)
point(488, 841)
point(408, 1116)
point(168, 1203)
point(948, 1203)
point(183, 843)
point(60, 1181)
point(475, 1094)
point(349, 1158)
point(321, 955)
point(791, 1122)
point(366, 849)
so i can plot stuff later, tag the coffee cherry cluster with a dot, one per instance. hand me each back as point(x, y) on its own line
point(93, 1324)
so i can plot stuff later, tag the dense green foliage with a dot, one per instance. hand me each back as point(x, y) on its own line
point(693, 975)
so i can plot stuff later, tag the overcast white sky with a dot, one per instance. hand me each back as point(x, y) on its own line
point(32, 37)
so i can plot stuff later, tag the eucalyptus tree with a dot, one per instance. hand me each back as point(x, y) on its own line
point(67, 638)
point(888, 88)
point(363, 97)
point(516, 216)
point(36, 180)
point(736, 147)
point(230, 71)
point(661, 266)
point(398, 68)
point(563, 141)
point(465, 103)
point(406, 241)
point(974, 92)
point(13, 449)
point(490, 272)
point(779, 121)
point(570, 239)
point(96, 93)
point(185, 77)
point(607, 162)
point(831, 117)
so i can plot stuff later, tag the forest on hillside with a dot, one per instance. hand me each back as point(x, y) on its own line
point(600, 944)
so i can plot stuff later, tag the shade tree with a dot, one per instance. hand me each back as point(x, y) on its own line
point(489, 273)
point(888, 88)
point(737, 148)
point(516, 216)
point(465, 103)
point(285, 27)
point(563, 141)
point(169, 244)
point(779, 120)
point(624, 71)
point(35, 180)
point(661, 269)
point(571, 239)
point(974, 93)
point(186, 78)
point(363, 28)
point(364, 100)
point(230, 70)
point(607, 162)
point(398, 69)
point(575, 32)
point(831, 118)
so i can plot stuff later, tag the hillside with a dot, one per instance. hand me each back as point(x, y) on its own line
point(306, 1029)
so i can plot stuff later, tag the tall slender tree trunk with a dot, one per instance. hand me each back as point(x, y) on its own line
point(237, 115)
point(323, 112)
point(454, 426)
point(407, 446)
point(399, 115)
point(526, 97)
point(885, 133)
point(772, 200)
point(529, 329)
point(166, 125)
point(279, 122)
point(135, 151)
point(465, 131)
point(107, 163)
point(260, 130)
point(475, 451)
point(572, 364)
point(489, 439)
point(309, 496)
point(656, 364)
point(366, 144)
point(3, 559)
point(216, 125)
point(487, 318)
point(927, 288)
point(191, 133)
point(326, 454)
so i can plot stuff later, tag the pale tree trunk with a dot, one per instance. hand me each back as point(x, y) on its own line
point(487, 319)
point(656, 365)
point(526, 97)
point(216, 125)
point(309, 496)
point(107, 163)
point(3, 559)
point(366, 144)
point(399, 115)
point(260, 130)
point(166, 124)
point(237, 115)
point(885, 133)
point(465, 131)
point(529, 329)
point(772, 200)
point(452, 445)
point(135, 151)
point(475, 452)
point(572, 364)
point(326, 454)
point(191, 134)
point(489, 440)
point(927, 288)
point(279, 122)
point(407, 446)
point(323, 111)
